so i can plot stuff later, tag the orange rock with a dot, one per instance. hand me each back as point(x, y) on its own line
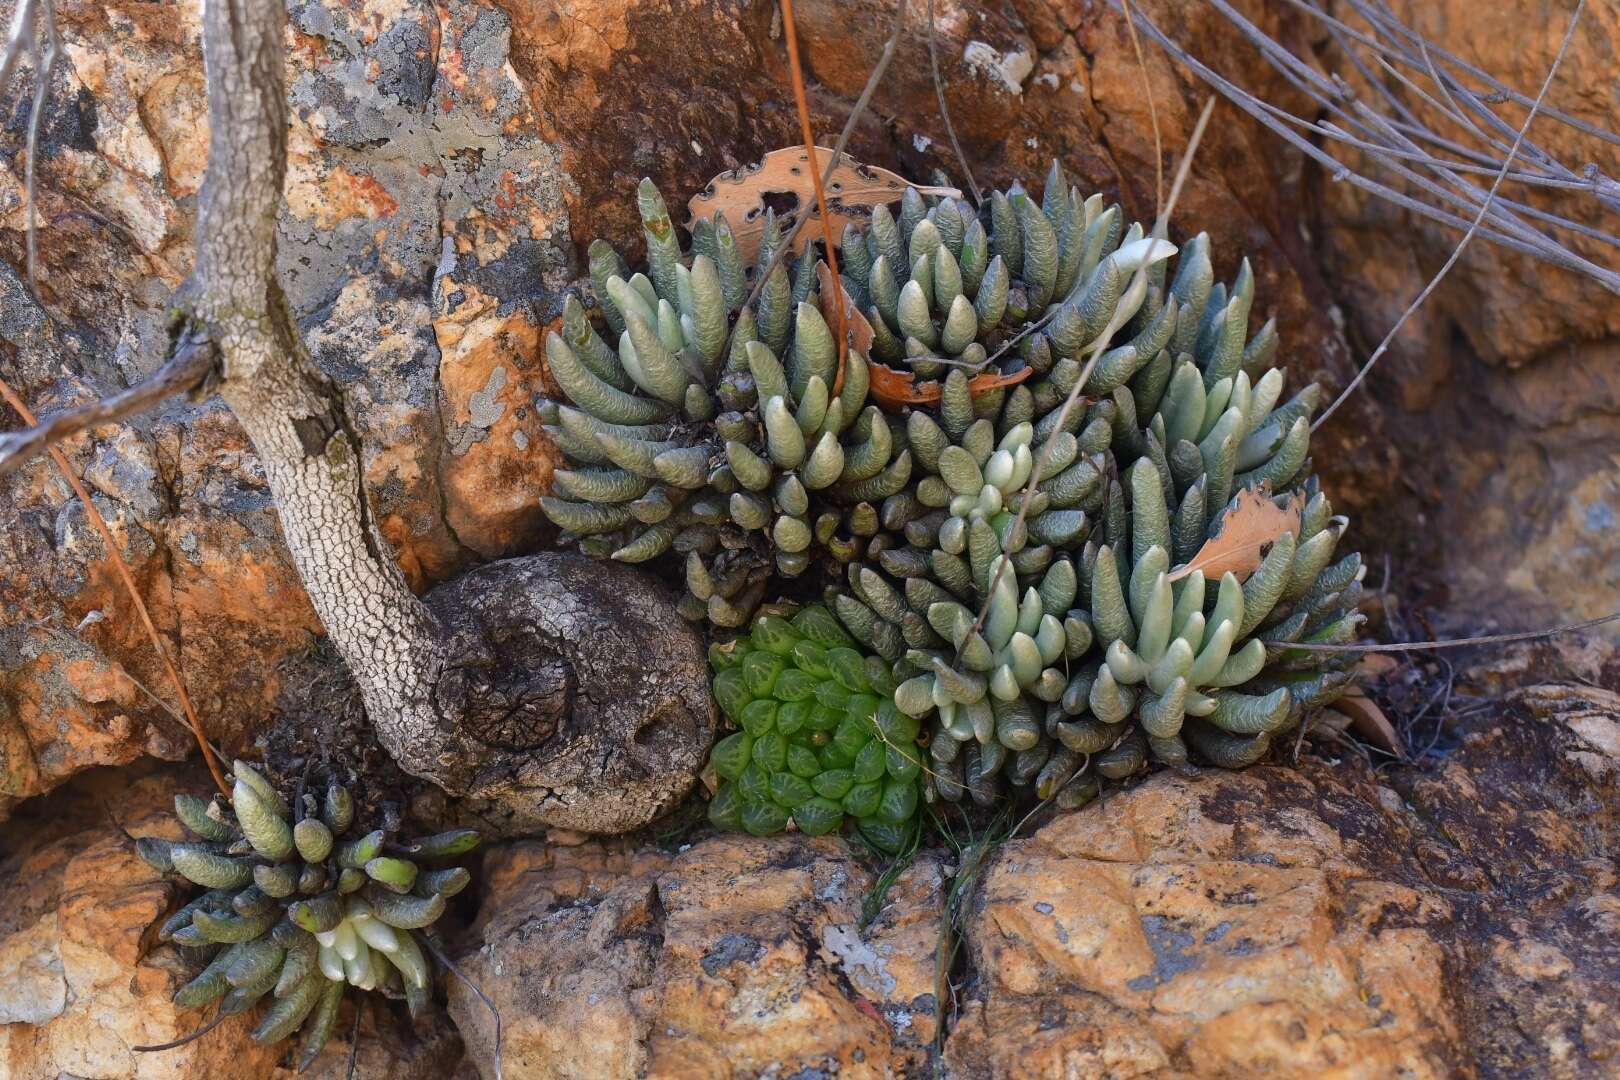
point(498, 462)
point(732, 958)
point(1176, 924)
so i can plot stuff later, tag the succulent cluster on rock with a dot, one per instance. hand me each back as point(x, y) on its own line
point(296, 911)
point(1028, 641)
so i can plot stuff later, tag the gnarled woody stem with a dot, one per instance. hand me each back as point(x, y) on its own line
point(485, 691)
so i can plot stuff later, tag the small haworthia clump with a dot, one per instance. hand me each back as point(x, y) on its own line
point(745, 458)
point(820, 738)
point(300, 908)
point(1035, 656)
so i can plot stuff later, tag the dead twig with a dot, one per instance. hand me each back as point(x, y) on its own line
point(23, 38)
point(1456, 253)
point(184, 1039)
point(1454, 643)
point(1153, 112)
point(193, 360)
point(762, 274)
point(440, 955)
point(1336, 97)
point(802, 100)
point(945, 112)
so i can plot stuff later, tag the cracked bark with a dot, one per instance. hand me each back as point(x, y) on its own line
point(562, 691)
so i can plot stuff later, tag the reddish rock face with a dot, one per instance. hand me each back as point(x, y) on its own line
point(1322, 921)
point(84, 978)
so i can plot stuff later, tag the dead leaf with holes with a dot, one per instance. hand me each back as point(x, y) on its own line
point(852, 191)
point(1248, 529)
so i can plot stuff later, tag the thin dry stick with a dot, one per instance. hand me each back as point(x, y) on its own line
point(1490, 196)
point(802, 99)
point(443, 958)
point(1507, 92)
point(23, 38)
point(184, 1039)
point(1096, 348)
point(1539, 246)
point(1455, 643)
point(1153, 112)
point(945, 112)
point(1158, 199)
point(129, 586)
point(855, 114)
point(45, 61)
point(193, 361)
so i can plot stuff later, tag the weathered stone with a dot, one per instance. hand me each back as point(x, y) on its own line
point(734, 957)
point(1322, 921)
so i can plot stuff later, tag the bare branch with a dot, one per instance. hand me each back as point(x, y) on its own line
point(1454, 643)
point(193, 361)
point(1552, 72)
point(22, 39)
point(1399, 139)
point(945, 112)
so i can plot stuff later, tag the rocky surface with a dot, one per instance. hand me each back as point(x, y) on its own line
point(82, 977)
point(734, 957)
point(1327, 920)
point(1333, 920)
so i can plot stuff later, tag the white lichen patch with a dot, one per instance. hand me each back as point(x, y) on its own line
point(1009, 69)
point(864, 967)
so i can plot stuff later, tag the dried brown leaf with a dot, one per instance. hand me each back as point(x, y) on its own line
point(1369, 721)
point(852, 191)
point(1377, 665)
point(1248, 530)
point(896, 389)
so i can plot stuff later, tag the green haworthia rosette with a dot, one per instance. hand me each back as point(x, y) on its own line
point(819, 739)
point(728, 443)
point(299, 909)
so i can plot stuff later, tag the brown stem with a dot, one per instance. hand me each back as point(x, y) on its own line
point(801, 98)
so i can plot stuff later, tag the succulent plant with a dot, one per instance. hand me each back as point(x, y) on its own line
point(300, 908)
point(820, 738)
point(739, 457)
point(1101, 644)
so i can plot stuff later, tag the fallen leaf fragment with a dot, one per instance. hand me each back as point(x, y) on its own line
point(897, 389)
point(1369, 721)
point(852, 191)
point(1248, 529)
